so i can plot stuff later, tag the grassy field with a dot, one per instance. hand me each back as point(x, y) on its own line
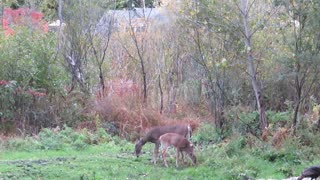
point(107, 161)
point(116, 161)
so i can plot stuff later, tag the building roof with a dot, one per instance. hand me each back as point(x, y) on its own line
point(118, 17)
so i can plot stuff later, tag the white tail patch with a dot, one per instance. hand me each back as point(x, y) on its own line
point(189, 132)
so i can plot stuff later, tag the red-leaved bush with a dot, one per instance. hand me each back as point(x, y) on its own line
point(120, 105)
point(22, 17)
point(3, 82)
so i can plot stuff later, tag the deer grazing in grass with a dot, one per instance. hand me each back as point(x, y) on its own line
point(154, 134)
point(180, 143)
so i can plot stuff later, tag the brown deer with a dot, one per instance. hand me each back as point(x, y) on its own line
point(180, 143)
point(154, 134)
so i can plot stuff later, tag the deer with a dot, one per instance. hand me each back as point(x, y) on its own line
point(312, 172)
point(153, 135)
point(180, 143)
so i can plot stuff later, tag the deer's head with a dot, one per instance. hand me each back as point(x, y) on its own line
point(191, 154)
point(138, 147)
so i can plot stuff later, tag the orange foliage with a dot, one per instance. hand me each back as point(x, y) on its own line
point(265, 134)
point(280, 135)
point(89, 125)
point(121, 104)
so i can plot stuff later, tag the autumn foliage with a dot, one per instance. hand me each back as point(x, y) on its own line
point(22, 17)
point(121, 104)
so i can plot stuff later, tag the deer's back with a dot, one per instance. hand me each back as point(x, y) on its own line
point(154, 134)
point(175, 139)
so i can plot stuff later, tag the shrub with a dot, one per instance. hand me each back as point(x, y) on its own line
point(206, 134)
point(284, 156)
point(22, 144)
point(307, 142)
point(30, 81)
point(50, 140)
point(278, 118)
point(102, 136)
point(79, 143)
point(235, 146)
point(248, 123)
point(53, 139)
point(121, 109)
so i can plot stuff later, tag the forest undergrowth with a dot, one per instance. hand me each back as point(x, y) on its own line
point(66, 153)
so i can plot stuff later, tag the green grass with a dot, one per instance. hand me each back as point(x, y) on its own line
point(97, 162)
point(116, 161)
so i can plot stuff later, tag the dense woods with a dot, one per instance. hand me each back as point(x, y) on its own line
point(247, 65)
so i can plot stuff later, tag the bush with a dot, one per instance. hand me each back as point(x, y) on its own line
point(307, 142)
point(28, 75)
point(50, 140)
point(53, 139)
point(284, 156)
point(122, 111)
point(278, 118)
point(235, 146)
point(79, 144)
point(249, 123)
point(22, 144)
point(102, 136)
point(206, 134)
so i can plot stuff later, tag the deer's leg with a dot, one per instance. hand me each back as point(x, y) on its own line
point(156, 151)
point(177, 156)
point(164, 155)
point(182, 157)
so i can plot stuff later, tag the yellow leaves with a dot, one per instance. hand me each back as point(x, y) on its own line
point(210, 64)
point(193, 13)
point(316, 109)
point(222, 64)
point(181, 11)
point(315, 113)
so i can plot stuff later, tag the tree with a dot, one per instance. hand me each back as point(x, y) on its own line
point(247, 37)
point(233, 26)
point(302, 38)
point(138, 32)
point(99, 44)
point(208, 58)
point(80, 44)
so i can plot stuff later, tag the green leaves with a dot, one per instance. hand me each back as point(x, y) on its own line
point(28, 58)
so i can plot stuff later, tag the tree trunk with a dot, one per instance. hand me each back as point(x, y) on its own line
point(144, 75)
point(295, 115)
point(161, 95)
point(256, 88)
point(299, 93)
point(101, 80)
point(141, 52)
